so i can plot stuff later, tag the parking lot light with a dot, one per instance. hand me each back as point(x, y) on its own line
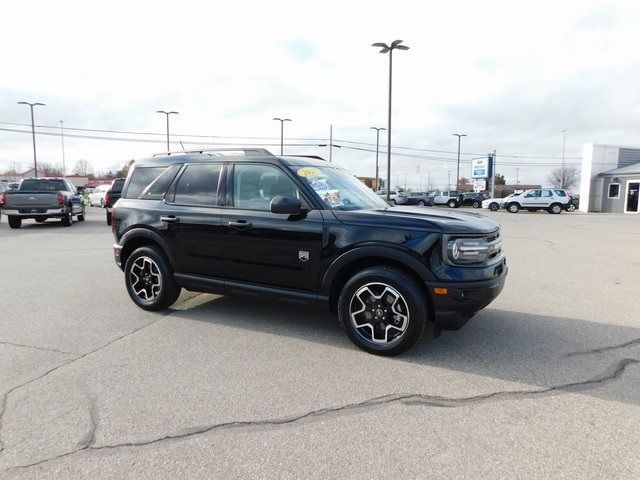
point(167, 115)
point(33, 133)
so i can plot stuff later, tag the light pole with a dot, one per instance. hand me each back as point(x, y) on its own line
point(377, 129)
point(64, 166)
point(33, 133)
point(167, 115)
point(395, 45)
point(282, 120)
point(459, 135)
point(564, 141)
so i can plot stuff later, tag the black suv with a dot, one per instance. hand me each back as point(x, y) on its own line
point(299, 228)
point(112, 196)
point(473, 199)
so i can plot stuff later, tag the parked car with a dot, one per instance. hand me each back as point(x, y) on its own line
point(398, 198)
point(306, 230)
point(96, 197)
point(112, 196)
point(574, 203)
point(473, 199)
point(494, 204)
point(40, 199)
point(419, 198)
point(4, 186)
point(553, 200)
point(451, 199)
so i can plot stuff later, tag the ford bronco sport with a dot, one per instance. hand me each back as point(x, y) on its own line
point(302, 229)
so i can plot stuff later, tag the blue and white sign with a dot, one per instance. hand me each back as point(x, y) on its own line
point(480, 167)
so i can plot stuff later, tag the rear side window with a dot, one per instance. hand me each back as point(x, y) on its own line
point(117, 185)
point(157, 189)
point(141, 178)
point(198, 185)
point(561, 193)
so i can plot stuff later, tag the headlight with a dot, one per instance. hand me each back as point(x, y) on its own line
point(467, 250)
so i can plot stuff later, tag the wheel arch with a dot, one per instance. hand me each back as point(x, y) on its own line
point(140, 237)
point(349, 263)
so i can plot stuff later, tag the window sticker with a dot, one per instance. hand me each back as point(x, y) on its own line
point(308, 172)
point(331, 197)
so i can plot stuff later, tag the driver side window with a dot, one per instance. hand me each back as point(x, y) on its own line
point(255, 185)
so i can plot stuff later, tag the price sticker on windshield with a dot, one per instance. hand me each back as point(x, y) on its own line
point(308, 172)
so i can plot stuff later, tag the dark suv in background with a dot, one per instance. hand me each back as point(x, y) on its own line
point(302, 229)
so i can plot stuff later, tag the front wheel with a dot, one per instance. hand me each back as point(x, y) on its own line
point(452, 204)
point(14, 222)
point(494, 207)
point(421, 203)
point(476, 204)
point(108, 218)
point(383, 311)
point(149, 279)
point(81, 215)
point(513, 208)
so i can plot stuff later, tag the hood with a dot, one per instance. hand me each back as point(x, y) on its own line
point(420, 218)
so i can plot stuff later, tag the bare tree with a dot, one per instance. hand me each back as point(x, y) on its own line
point(82, 168)
point(564, 177)
point(49, 170)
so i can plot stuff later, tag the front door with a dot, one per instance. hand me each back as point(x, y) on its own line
point(532, 199)
point(632, 197)
point(265, 248)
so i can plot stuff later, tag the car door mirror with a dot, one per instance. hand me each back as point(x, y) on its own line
point(286, 204)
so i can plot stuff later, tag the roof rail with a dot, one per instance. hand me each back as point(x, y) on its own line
point(247, 152)
point(304, 156)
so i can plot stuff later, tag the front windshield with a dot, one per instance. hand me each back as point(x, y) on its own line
point(338, 189)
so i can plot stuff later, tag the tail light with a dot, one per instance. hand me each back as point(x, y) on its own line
point(60, 199)
point(107, 198)
point(3, 198)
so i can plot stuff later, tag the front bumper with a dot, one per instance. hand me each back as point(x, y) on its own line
point(463, 299)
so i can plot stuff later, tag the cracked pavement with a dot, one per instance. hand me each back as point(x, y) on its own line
point(543, 383)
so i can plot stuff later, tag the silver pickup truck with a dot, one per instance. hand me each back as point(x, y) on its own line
point(40, 199)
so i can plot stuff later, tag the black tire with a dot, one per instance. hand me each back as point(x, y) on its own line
point(571, 208)
point(168, 291)
point(494, 207)
point(394, 202)
point(67, 220)
point(80, 216)
point(14, 222)
point(513, 207)
point(421, 203)
point(476, 204)
point(555, 209)
point(412, 298)
point(102, 203)
point(41, 219)
point(452, 204)
point(108, 218)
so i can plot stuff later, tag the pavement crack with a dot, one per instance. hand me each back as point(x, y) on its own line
point(46, 349)
point(90, 437)
point(631, 343)
point(411, 399)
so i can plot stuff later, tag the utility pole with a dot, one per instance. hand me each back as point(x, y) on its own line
point(167, 115)
point(377, 129)
point(449, 180)
point(493, 174)
point(459, 135)
point(33, 133)
point(330, 143)
point(282, 120)
point(564, 141)
point(517, 173)
point(64, 166)
point(405, 182)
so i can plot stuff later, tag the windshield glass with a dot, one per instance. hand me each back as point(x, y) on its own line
point(338, 189)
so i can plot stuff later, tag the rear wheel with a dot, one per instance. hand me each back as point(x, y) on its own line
point(452, 204)
point(571, 208)
point(383, 310)
point(494, 207)
point(555, 209)
point(108, 218)
point(67, 220)
point(513, 208)
point(476, 204)
point(149, 279)
point(14, 222)
point(421, 203)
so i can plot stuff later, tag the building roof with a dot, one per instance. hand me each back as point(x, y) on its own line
point(633, 169)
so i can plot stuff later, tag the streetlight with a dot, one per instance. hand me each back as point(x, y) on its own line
point(459, 135)
point(377, 129)
point(167, 115)
point(564, 141)
point(282, 120)
point(395, 45)
point(33, 133)
point(64, 167)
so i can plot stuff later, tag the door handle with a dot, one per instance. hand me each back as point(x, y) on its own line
point(170, 219)
point(240, 224)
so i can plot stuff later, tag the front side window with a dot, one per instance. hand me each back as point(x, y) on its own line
point(255, 185)
point(338, 189)
point(198, 185)
point(533, 194)
point(614, 190)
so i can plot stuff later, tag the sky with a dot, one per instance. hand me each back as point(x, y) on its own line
point(510, 75)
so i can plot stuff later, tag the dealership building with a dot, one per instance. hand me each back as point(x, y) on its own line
point(610, 180)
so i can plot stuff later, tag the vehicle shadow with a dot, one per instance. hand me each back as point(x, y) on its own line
point(542, 351)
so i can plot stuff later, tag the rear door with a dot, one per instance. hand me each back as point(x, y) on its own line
point(265, 248)
point(191, 219)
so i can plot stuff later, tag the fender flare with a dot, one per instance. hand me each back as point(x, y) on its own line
point(373, 251)
point(150, 235)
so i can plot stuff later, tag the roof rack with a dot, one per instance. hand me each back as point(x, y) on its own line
point(247, 152)
point(304, 156)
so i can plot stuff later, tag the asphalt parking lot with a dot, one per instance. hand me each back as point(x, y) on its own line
point(543, 383)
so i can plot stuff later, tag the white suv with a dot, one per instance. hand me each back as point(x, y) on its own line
point(553, 200)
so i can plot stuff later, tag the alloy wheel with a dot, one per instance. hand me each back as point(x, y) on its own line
point(145, 279)
point(379, 313)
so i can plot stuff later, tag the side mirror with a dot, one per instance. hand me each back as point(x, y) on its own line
point(286, 205)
